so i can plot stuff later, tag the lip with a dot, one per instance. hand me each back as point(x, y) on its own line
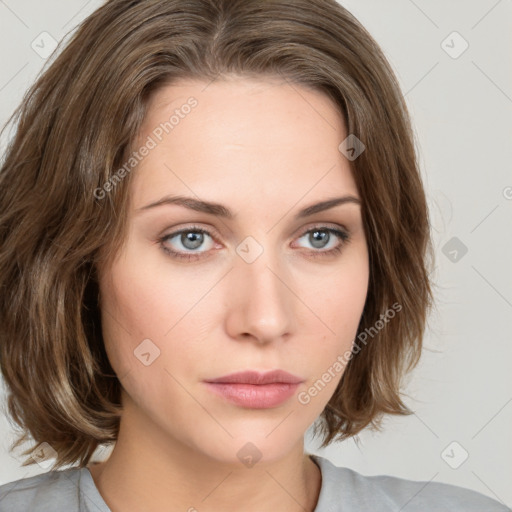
point(255, 377)
point(255, 390)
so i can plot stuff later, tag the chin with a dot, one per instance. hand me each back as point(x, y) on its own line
point(253, 447)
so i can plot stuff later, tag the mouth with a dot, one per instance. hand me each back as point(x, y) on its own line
point(255, 390)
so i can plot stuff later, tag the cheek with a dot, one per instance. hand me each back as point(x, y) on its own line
point(136, 306)
point(340, 301)
point(338, 312)
point(327, 356)
point(154, 315)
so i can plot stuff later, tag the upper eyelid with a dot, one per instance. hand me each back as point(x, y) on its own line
point(324, 225)
point(215, 234)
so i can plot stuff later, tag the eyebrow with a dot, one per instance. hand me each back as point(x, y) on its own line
point(221, 211)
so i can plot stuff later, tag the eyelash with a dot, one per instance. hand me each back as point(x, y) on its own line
point(343, 236)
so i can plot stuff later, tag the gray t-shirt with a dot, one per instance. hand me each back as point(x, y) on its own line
point(343, 490)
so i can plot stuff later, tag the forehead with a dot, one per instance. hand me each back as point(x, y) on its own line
point(264, 137)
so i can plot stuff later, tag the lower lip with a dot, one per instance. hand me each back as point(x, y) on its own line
point(253, 396)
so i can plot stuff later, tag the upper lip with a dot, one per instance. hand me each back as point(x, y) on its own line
point(254, 377)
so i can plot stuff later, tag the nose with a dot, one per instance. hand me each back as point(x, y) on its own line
point(261, 301)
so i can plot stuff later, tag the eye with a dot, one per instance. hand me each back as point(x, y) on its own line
point(330, 240)
point(187, 241)
point(190, 239)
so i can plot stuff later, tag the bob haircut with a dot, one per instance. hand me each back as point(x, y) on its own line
point(74, 130)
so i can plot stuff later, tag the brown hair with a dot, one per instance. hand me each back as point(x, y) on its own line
point(74, 128)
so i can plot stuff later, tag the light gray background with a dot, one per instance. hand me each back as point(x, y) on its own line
point(461, 109)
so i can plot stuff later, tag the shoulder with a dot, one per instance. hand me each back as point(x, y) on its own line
point(53, 491)
point(388, 493)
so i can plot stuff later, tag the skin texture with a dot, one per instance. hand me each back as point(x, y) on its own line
point(265, 149)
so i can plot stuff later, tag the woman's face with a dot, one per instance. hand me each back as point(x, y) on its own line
point(265, 287)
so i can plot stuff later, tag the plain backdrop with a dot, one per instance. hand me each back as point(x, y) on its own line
point(454, 66)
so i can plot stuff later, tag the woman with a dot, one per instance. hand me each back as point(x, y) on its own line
point(206, 208)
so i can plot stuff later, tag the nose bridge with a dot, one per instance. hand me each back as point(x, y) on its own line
point(263, 307)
